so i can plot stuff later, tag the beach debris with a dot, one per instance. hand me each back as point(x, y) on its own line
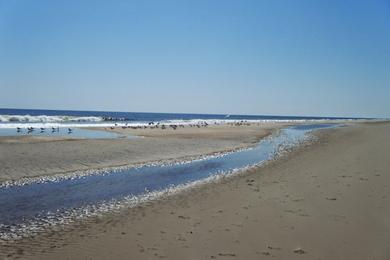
point(299, 251)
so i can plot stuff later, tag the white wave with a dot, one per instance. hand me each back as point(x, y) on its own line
point(47, 119)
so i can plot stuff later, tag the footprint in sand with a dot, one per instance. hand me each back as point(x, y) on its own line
point(183, 217)
point(227, 254)
point(181, 238)
point(250, 182)
point(299, 251)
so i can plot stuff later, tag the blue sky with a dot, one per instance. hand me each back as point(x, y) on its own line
point(325, 58)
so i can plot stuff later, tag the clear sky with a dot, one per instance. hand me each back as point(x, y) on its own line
point(325, 58)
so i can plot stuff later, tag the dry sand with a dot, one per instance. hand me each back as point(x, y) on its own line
point(329, 200)
point(27, 156)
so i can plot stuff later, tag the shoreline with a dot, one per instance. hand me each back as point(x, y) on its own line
point(114, 205)
point(108, 208)
point(274, 210)
point(33, 159)
point(115, 168)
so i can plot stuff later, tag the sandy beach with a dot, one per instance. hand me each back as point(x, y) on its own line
point(29, 156)
point(194, 130)
point(328, 200)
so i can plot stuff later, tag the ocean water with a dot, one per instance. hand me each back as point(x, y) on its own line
point(12, 118)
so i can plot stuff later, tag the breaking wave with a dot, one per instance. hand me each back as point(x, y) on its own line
point(47, 119)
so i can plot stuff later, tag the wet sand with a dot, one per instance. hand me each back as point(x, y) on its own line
point(329, 200)
point(29, 156)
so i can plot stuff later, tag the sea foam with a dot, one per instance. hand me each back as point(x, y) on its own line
point(47, 119)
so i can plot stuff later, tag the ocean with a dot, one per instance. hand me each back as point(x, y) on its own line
point(12, 118)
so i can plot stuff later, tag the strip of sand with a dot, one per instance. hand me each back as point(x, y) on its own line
point(325, 201)
point(28, 156)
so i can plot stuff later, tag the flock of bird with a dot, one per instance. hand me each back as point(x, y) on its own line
point(153, 125)
point(42, 130)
